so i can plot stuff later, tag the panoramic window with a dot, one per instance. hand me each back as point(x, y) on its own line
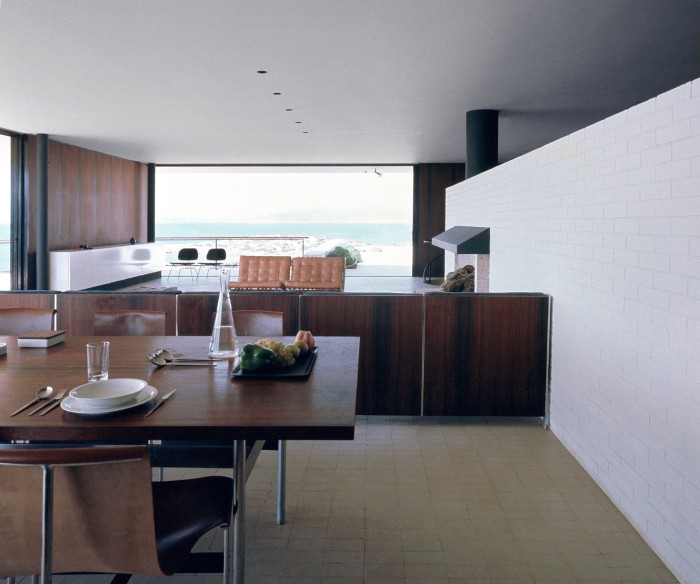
point(268, 210)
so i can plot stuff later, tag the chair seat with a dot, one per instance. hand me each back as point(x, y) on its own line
point(289, 285)
point(262, 285)
point(181, 519)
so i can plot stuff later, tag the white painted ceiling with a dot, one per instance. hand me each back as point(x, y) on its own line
point(366, 81)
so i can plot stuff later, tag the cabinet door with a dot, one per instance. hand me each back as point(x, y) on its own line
point(485, 355)
point(390, 331)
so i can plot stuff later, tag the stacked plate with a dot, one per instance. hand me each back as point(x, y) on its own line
point(110, 395)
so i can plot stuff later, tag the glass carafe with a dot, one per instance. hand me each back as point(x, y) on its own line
point(224, 342)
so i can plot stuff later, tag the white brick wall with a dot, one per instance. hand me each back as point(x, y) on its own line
point(607, 221)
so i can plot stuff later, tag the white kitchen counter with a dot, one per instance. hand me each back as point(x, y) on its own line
point(79, 269)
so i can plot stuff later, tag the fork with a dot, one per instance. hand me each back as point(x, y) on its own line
point(51, 404)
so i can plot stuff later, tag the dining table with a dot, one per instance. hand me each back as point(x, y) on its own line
point(214, 402)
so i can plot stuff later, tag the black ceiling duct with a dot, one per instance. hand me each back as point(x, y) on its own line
point(464, 239)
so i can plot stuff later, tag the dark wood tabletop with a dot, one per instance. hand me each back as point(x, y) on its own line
point(209, 403)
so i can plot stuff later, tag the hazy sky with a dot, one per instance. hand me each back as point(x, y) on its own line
point(277, 195)
point(285, 195)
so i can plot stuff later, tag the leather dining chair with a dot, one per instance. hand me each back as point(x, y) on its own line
point(130, 323)
point(260, 323)
point(15, 321)
point(267, 323)
point(96, 509)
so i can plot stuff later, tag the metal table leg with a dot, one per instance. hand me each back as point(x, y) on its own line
point(281, 480)
point(237, 541)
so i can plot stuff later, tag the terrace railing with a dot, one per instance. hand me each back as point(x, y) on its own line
point(235, 244)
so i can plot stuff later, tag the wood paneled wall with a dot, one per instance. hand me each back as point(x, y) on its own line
point(390, 329)
point(429, 184)
point(93, 198)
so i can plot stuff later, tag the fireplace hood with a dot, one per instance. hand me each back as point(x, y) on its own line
point(462, 239)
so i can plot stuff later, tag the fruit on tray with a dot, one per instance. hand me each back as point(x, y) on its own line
point(307, 337)
point(283, 355)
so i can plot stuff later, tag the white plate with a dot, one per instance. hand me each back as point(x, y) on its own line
point(77, 407)
point(108, 392)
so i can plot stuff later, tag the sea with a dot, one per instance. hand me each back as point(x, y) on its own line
point(368, 233)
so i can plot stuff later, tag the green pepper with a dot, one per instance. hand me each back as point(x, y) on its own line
point(254, 357)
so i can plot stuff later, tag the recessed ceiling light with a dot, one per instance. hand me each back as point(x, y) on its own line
point(261, 72)
point(289, 109)
point(276, 93)
point(297, 122)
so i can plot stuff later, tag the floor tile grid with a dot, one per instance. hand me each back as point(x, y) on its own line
point(423, 501)
point(451, 502)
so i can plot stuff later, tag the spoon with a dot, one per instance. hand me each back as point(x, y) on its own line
point(43, 393)
point(160, 361)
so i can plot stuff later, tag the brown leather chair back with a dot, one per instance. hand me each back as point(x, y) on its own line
point(15, 321)
point(108, 515)
point(263, 268)
point(258, 323)
point(102, 516)
point(317, 274)
point(262, 272)
point(130, 323)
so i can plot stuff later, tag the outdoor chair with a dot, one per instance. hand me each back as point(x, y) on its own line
point(16, 321)
point(96, 509)
point(186, 260)
point(130, 323)
point(214, 259)
point(262, 273)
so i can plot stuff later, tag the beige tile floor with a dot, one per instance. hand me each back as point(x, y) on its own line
point(444, 501)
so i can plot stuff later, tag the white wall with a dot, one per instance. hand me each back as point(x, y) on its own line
point(607, 221)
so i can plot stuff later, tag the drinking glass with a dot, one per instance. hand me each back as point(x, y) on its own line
point(98, 361)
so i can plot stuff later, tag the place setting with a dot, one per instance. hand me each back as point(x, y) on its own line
point(108, 396)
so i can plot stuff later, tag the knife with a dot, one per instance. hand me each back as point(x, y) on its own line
point(161, 402)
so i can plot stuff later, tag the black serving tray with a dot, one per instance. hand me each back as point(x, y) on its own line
point(300, 370)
